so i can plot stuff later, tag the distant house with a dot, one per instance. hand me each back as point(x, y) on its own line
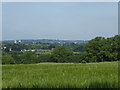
point(33, 50)
point(19, 41)
point(10, 49)
point(15, 41)
point(28, 50)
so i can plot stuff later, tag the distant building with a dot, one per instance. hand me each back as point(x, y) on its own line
point(19, 41)
point(33, 50)
point(15, 41)
point(10, 49)
point(4, 48)
point(75, 42)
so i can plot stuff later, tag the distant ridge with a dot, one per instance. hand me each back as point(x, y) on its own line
point(46, 41)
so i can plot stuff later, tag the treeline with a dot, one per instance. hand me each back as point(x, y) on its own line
point(99, 49)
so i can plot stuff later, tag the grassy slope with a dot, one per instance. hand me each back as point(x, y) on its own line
point(61, 75)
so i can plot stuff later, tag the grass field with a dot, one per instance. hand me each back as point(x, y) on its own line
point(61, 75)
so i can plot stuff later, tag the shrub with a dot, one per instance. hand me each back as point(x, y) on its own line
point(7, 59)
point(83, 61)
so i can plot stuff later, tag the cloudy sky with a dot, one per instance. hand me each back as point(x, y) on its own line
point(59, 20)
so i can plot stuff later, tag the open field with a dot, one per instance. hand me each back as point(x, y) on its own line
point(61, 75)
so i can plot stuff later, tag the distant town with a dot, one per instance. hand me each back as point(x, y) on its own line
point(39, 41)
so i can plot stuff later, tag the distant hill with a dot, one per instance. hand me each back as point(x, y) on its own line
point(45, 41)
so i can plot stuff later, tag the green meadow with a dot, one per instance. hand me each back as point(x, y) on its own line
point(60, 75)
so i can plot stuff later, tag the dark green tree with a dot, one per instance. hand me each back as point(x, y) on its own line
point(103, 49)
point(28, 57)
point(60, 53)
point(7, 59)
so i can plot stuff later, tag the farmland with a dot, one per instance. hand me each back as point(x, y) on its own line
point(61, 65)
point(61, 75)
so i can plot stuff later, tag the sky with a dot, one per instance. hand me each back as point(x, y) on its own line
point(59, 20)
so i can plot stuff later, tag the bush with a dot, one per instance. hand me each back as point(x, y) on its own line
point(7, 59)
point(44, 58)
point(83, 61)
point(60, 54)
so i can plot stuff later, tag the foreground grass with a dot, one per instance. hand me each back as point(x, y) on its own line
point(61, 75)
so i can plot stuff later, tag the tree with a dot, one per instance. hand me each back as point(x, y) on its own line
point(44, 58)
point(7, 59)
point(103, 49)
point(60, 53)
point(28, 57)
point(16, 56)
point(79, 48)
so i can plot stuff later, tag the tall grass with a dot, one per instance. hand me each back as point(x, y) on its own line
point(61, 75)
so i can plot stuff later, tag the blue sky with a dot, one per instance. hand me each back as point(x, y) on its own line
point(60, 20)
